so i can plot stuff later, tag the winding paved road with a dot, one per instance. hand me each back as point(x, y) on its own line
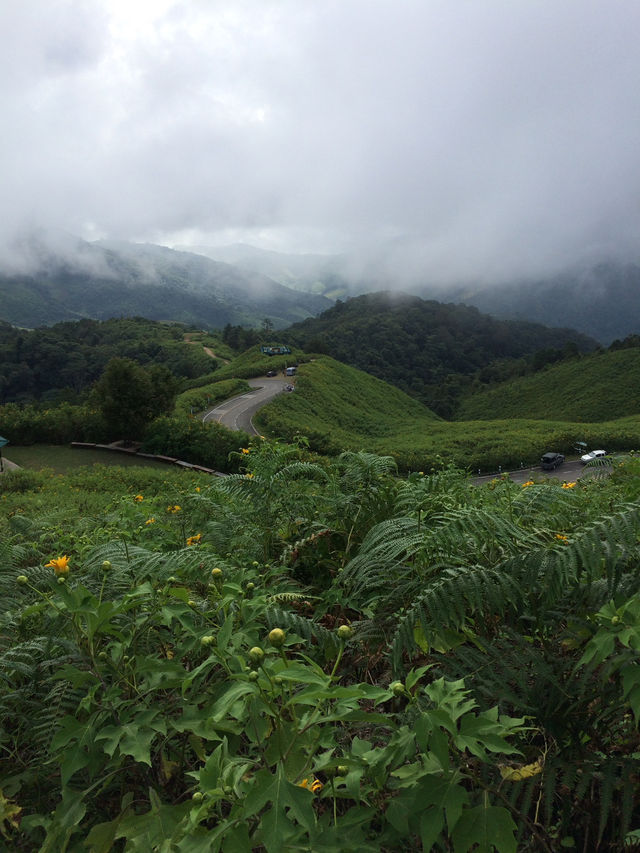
point(568, 471)
point(237, 413)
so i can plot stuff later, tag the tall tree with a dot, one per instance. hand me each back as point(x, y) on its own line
point(130, 396)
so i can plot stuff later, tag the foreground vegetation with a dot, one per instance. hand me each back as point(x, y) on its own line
point(314, 655)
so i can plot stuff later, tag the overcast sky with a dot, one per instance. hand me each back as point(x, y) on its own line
point(481, 139)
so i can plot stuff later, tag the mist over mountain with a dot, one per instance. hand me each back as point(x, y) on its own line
point(602, 300)
point(50, 278)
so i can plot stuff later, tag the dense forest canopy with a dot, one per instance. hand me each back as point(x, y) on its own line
point(69, 357)
point(426, 348)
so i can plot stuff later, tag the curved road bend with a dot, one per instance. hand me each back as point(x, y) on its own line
point(237, 413)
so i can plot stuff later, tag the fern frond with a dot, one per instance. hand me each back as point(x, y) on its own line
point(306, 628)
point(301, 469)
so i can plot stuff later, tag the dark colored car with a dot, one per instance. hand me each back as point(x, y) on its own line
point(550, 461)
point(271, 373)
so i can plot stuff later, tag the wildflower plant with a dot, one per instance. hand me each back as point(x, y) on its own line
point(336, 660)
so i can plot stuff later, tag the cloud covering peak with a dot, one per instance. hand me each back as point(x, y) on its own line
point(469, 140)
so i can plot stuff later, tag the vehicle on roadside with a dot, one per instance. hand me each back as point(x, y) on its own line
point(591, 455)
point(551, 460)
point(271, 373)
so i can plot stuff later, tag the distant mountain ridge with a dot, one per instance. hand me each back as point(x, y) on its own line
point(314, 273)
point(601, 300)
point(114, 279)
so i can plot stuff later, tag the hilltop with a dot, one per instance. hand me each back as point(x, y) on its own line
point(425, 348)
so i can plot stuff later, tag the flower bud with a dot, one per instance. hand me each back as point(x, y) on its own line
point(197, 797)
point(277, 638)
point(106, 566)
point(207, 640)
point(22, 579)
point(344, 632)
point(256, 655)
point(253, 676)
point(342, 770)
point(62, 579)
point(250, 587)
point(397, 688)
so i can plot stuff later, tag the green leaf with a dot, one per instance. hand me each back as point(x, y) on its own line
point(102, 835)
point(487, 827)
point(134, 738)
point(431, 825)
point(276, 825)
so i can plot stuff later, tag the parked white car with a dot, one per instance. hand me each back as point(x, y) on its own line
point(592, 454)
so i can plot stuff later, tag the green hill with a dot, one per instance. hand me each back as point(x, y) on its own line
point(67, 358)
point(341, 408)
point(427, 349)
point(596, 387)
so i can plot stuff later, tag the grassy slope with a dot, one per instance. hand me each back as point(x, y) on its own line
point(253, 363)
point(339, 407)
point(595, 387)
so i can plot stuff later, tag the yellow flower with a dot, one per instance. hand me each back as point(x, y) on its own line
point(197, 488)
point(562, 537)
point(138, 498)
point(311, 784)
point(528, 483)
point(245, 449)
point(173, 509)
point(249, 476)
point(150, 521)
point(568, 485)
point(193, 540)
point(60, 565)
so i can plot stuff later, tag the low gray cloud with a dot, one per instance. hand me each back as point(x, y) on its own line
point(444, 140)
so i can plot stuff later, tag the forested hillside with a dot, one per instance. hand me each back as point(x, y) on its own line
point(594, 387)
point(426, 348)
point(601, 301)
point(67, 358)
point(119, 279)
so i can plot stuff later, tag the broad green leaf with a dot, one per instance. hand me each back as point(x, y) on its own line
point(486, 826)
point(282, 795)
point(431, 825)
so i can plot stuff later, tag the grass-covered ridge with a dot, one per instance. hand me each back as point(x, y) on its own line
point(340, 408)
point(318, 655)
point(595, 387)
